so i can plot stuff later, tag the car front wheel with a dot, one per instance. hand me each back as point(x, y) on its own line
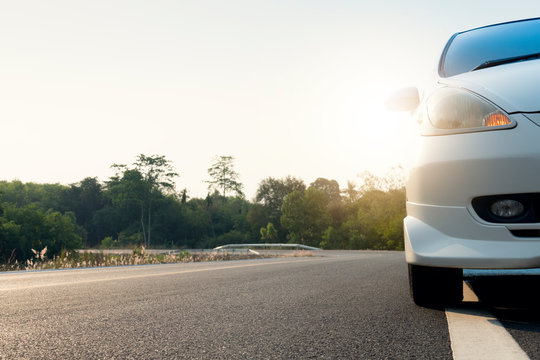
point(435, 287)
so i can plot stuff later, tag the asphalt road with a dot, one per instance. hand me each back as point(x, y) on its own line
point(342, 305)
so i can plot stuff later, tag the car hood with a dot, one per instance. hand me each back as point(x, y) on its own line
point(514, 87)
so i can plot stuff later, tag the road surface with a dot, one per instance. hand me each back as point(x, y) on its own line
point(341, 305)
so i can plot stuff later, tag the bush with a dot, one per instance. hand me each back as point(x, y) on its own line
point(29, 227)
point(108, 243)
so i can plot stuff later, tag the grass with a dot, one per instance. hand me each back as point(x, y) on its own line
point(139, 256)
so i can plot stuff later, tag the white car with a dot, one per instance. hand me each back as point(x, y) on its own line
point(473, 195)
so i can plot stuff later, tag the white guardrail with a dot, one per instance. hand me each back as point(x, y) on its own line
point(266, 246)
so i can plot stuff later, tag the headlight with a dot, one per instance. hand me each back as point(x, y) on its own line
point(457, 111)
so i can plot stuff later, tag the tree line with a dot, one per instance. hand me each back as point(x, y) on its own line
point(140, 205)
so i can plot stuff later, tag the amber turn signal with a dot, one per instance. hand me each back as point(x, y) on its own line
point(496, 119)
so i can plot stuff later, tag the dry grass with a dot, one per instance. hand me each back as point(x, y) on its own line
point(74, 259)
point(298, 253)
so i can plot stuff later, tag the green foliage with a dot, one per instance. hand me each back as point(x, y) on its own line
point(136, 190)
point(257, 218)
point(60, 232)
point(85, 199)
point(367, 218)
point(223, 177)
point(374, 221)
point(329, 187)
point(270, 194)
point(138, 206)
point(351, 193)
point(139, 251)
point(269, 233)
point(381, 214)
point(29, 227)
point(334, 239)
point(158, 173)
point(108, 243)
point(306, 216)
point(45, 196)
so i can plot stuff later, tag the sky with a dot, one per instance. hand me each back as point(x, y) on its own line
point(291, 87)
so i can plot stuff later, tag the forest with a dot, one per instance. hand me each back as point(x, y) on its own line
point(140, 206)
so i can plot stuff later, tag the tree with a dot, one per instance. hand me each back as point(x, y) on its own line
point(224, 178)
point(85, 199)
point(184, 196)
point(45, 196)
point(158, 173)
point(151, 178)
point(394, 179)
point(329, 187)
point(306, 216)
point(257, 218)
point(334, 239)
point(127, 192)
point(61, 232)
point(380, 218)
point(272, 192)
point(352, 194)
point(30, 227)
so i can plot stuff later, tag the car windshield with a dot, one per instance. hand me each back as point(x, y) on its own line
point(490, 45)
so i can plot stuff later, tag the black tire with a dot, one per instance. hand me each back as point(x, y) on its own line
point(435, 287)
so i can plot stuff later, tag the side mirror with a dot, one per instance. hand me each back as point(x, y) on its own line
point(406, 99)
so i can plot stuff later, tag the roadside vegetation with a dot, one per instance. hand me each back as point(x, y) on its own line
point(140, 206)
point(139, 256)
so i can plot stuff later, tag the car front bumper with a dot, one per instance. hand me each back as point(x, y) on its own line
point(450, 236)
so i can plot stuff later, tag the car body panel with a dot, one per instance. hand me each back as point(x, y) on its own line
point(451, 170)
